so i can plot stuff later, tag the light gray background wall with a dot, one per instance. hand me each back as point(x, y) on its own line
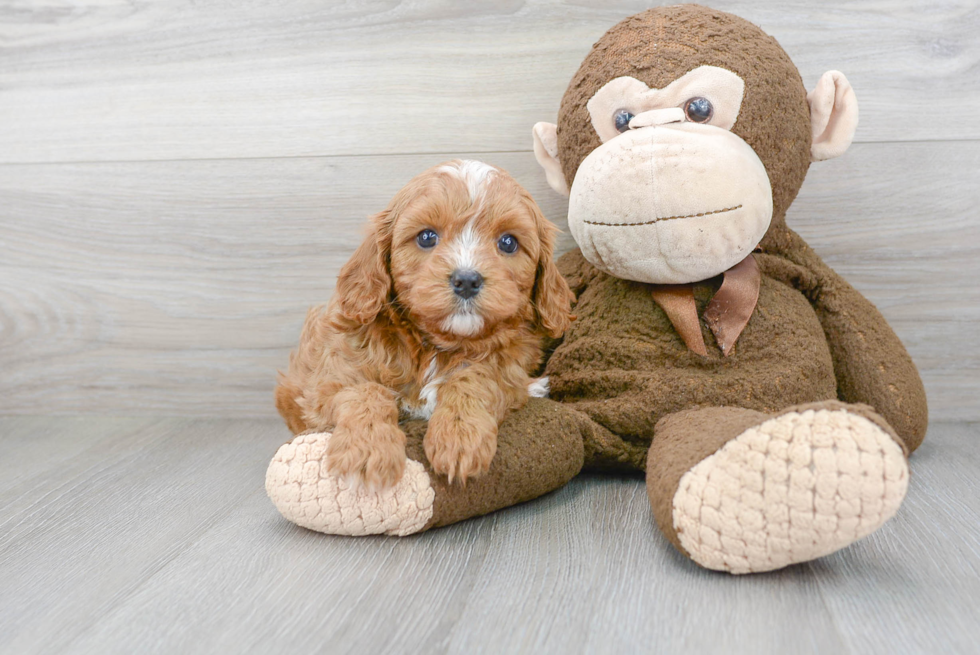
point(180, 180)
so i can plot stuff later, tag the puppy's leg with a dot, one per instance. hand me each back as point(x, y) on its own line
point(462, 435)
point(286, 395)
point(367, 443)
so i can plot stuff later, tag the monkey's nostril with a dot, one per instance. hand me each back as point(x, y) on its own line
point(466, 284)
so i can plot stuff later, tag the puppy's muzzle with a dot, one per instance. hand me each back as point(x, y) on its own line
point(466, 284)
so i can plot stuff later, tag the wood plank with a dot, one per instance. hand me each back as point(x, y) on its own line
point(108, 219)
point(80, 538)
point(293, 590)
point(179, 287)
point(168, 544)
point(583, 570)
point(32, 446)
point(183, 80)
point(598, 577)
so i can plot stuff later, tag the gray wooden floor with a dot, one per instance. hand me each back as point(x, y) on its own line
point(155, 535)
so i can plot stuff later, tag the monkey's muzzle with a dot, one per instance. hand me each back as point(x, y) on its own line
point(670, 204)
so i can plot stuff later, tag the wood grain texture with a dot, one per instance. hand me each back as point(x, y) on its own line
point(97, 81)
point(179, 287)
point(179, 180)
point(94, 528)
point(161, 540)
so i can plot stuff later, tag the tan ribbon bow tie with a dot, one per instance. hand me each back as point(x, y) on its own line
point(727, 314)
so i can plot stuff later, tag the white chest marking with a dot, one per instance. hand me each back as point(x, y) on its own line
point(427, 395)
point(539, 387)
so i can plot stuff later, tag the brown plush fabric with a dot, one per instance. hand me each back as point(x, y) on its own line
point(812, 337)
point(539, 449)
point(683, 440)
point(659, 45)
point(870, 363)
point(624, 365)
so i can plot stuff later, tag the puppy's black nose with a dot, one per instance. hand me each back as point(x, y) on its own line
point(466, 284)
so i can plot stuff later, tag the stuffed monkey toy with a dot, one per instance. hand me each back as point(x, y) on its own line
point(770, 405)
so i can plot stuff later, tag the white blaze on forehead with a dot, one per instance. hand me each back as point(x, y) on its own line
point(474, 174)
point(463, 248)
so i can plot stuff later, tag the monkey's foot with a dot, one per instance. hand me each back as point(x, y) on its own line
point(789, 489)
point(305, 493)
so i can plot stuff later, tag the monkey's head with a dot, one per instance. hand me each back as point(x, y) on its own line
point(682, 140)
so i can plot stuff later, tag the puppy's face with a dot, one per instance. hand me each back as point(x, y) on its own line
point(464, 248)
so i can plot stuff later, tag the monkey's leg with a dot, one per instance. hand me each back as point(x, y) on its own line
point(741, 491)
point(539, 449)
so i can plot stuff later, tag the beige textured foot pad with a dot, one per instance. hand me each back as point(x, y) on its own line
point(306, 494)
point(797, 487)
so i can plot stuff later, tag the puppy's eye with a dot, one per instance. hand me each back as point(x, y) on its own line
point(622, 119)
point(507, 244)
point(698, 110)
point(427, 239)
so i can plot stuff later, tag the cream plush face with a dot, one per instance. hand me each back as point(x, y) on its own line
point(671, 196)
point(670, 204)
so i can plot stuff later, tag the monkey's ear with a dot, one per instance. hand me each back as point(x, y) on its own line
point(833, 116)
point(364, 284)
point(546, 152)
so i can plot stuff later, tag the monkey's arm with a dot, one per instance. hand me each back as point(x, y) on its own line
point(870, 363)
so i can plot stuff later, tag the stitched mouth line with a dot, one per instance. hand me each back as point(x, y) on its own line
point(666, 218)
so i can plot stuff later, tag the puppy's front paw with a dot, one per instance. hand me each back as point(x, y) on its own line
point(375, 458)
point(460, 447)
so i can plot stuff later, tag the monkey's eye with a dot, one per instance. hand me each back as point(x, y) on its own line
point(698, 110)
point(507, 244)
point(622, 118)
point(427, 239)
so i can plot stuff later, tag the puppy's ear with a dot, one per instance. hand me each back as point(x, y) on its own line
point(364, 284)
point(552, 297)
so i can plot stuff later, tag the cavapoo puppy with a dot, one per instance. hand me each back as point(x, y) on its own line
point(439, 314)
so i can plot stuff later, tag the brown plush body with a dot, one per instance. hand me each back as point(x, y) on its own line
point(785, 443)
point(624, 365)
